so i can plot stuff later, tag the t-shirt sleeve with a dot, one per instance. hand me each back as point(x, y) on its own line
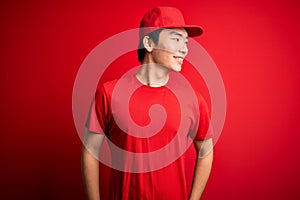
point(98, 117)
point(204, 130)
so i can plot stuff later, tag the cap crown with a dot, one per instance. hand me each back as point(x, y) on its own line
point(166, 17)
point(163, 17)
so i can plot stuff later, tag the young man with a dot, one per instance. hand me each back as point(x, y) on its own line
point(162, 50)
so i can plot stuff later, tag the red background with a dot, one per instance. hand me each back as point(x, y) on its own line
point(255, 44)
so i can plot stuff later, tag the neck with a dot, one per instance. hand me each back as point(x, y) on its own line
point(152, 74)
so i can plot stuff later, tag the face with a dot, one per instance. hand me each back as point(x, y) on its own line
point(171, 49)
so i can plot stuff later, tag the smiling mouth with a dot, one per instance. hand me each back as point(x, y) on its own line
point(179, 59)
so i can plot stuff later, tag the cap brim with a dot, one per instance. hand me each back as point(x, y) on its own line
point(193, 30)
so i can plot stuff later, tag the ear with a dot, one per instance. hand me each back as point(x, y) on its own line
point(148, 43)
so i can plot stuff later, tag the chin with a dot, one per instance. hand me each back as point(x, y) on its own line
point(174, 68)
point(177, 69)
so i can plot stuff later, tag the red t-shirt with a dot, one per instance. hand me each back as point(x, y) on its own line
point(165, 170)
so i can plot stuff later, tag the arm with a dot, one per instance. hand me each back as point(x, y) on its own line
point(203, 167)
point(90, 164)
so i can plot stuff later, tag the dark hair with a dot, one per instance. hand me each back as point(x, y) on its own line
point(141, 49)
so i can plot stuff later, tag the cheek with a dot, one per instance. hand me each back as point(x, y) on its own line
point(167, 58)
point(162, 56)
point(171, 48)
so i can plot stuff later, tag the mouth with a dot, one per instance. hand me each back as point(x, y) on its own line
point(179, 59)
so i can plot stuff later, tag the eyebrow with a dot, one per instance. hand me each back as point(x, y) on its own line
point(177, 34)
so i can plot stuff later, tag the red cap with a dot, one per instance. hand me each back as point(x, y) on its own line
point(166, 17)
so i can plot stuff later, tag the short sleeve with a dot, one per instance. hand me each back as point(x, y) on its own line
point(97, 120)
point(204, 130)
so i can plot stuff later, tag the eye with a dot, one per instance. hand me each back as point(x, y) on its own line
point(176, 39)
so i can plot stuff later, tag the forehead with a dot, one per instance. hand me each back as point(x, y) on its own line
point(179, 32)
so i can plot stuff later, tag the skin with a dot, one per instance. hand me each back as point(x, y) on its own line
point(203, 168)
point(90, 164)
point(161, 58)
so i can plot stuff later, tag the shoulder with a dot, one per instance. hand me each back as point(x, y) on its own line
point(200, 98)
point(202, 103)
point(109, 86)
point(105, 89)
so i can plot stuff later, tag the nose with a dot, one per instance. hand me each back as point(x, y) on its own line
point(183, 49)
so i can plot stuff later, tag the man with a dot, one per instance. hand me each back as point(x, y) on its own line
point(162, 49)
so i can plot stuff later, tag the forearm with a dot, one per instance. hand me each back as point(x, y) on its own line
point(201, 175)
point(90, 174)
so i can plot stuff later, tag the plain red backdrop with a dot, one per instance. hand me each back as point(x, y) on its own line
point(255, 44)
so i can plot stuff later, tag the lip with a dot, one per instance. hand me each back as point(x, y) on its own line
point(179, 59)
